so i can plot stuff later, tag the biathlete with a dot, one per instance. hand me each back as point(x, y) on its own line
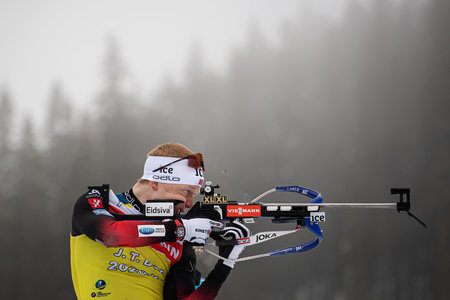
point(114, 256)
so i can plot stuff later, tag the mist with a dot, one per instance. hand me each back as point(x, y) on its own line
point(349, 109)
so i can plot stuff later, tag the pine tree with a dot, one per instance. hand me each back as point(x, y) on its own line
point(6, 118)
point(59, 113)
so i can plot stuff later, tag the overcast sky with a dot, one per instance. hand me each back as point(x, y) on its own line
point(45, 41)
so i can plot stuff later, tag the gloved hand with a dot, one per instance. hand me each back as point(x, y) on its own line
point(234, 230)
point(198, 230)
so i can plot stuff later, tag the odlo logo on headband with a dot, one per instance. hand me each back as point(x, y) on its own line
point(166, 178)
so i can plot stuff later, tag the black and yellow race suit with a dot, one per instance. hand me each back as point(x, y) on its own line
point(110, 259)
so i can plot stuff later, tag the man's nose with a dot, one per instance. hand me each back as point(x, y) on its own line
point(189, 202)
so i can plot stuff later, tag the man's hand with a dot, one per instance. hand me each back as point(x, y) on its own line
point(198, 230)
point(234, 230)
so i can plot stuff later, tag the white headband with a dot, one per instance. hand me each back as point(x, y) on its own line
point(177, 173)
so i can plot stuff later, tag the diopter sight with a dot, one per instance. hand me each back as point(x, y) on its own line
point(208, 190)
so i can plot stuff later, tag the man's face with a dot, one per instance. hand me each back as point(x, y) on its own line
point(182, 192)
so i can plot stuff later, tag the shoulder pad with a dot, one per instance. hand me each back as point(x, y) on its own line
point(100, 191)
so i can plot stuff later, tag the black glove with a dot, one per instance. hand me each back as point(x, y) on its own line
point(234, 230)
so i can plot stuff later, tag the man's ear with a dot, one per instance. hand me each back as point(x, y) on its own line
point(155, 185)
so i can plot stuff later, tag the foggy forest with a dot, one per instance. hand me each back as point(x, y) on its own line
point(349, 109)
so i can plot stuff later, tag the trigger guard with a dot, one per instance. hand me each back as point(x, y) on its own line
point(220, 241)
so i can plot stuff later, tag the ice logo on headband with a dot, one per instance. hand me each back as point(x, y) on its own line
point(166, 170)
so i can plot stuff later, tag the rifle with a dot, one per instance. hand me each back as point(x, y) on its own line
point(304, 215)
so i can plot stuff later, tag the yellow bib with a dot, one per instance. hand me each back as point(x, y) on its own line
point(117, 273)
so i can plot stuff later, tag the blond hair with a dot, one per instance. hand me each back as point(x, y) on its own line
point(171, 150)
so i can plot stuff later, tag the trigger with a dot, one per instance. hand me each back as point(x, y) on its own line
point(219, 210)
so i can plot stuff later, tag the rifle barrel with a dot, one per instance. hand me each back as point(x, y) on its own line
point(388, 205)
